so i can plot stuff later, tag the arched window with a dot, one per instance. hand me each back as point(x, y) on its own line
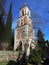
point(22, 12)
point(19, 48)
point(20, 45)
point(25, 20)
point(21, 21)
point(28, 13)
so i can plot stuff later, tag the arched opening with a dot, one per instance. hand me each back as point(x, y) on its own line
point(21, 22)
point(22, 12)
point(28, 13)
point(25, 20)
point(20, 45)
point(26, 46)
point(19, 48)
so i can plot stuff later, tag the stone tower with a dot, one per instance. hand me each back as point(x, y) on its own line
point(24, 33)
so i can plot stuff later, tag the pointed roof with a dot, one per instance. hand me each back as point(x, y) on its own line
point(25, 5)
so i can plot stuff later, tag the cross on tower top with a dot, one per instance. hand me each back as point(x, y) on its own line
point(24, 2)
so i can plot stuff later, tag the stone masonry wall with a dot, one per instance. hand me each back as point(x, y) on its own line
point(8, 55)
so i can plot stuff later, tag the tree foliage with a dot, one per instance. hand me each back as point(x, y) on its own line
point(40, 36)
point(1, 27)
point(6, 32)
point(8, 26)
point(2, 13)
point(38, 53)
point(41, 42)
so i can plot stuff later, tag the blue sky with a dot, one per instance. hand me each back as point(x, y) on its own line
point(40, 7)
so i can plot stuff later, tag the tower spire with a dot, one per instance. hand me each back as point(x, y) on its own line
point(24, 2)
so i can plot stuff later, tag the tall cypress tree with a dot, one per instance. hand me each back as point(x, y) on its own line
point(1, 27)
point(41, 43)
point(8, 27)
point(2, 14)
point(40, 36)
point(40, 39)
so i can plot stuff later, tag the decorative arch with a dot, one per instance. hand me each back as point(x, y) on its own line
point(28, 13)
point(22, 12)
point(19, 48)
point(20, 45)
point(25, 20)
point(19, 23)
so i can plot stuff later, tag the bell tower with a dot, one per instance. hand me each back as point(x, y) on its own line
point(24, 32)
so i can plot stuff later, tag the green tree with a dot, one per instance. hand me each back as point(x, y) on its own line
point(47, 47)
point(2, 6)
point(8, 26)
point(9, 32)
point(2, 14)
point(41, 42)
point(35, 57)
point(40, 36)
point(1, 27)
point(38, 53)
point(6, 32)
